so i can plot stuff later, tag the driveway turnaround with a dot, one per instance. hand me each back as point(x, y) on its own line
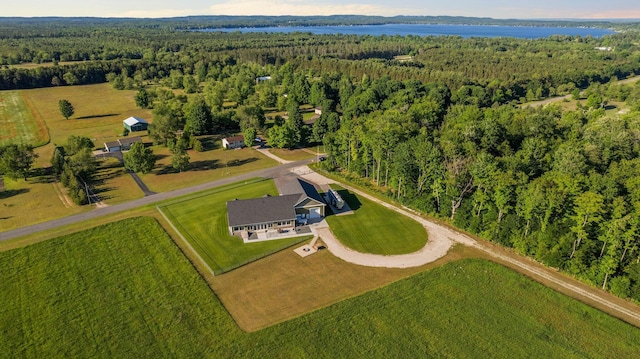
point(441, 238)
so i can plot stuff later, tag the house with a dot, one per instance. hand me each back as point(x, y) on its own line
point(283, 213)
point(112, 146)
point(318, 111)
point(122, 144)
point(233, 142)
point(263, 78)
point(127, 142)
point(134, 124)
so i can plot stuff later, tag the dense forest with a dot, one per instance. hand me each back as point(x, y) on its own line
point(433, 122)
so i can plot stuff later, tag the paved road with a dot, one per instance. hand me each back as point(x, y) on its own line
point(99, 212)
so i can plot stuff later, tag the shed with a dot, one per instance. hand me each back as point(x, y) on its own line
point(134, 124)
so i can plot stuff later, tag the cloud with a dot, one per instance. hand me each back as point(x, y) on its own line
point(298, 7)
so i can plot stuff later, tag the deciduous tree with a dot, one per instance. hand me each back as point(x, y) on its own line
point(139, 158)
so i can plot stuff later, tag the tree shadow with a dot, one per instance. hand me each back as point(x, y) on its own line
point(210, 143)
point(236, 163)
point(42, 175)
point(167, 170)
point(350, 198)
point(204, 165)
point(97, 116)
point(12, 192)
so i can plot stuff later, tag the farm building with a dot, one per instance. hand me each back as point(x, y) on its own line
point(123, 144)
point(134, 124)
point(255, 218)
point(233, 142)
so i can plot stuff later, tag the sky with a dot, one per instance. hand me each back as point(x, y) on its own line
point(501, 9)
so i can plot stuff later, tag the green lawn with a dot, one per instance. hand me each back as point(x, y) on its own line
point(202, 220)
point(125, 290)
point(373, 228)
point(17, 122)
point(203, 167)
point(119, 290)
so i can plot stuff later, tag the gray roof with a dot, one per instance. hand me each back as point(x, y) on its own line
point(112, 144)
point(262, 210)
point(129, 140)
point(298, 186)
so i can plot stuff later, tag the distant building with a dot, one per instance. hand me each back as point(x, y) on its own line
point(233, 142)
point(318, 110)
point(254, 218)
point(134, 124)
point(123, 144)
point(263, 78)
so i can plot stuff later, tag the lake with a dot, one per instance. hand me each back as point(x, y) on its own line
point(526, 32)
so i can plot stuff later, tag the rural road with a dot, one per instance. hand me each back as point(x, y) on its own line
point(100, 212)
point(440, 240)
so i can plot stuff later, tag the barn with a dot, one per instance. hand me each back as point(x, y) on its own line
point(135, 124)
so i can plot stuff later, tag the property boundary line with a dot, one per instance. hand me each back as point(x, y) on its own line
point(186, 241)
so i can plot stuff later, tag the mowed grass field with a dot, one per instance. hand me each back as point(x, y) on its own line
point(373, 228)
point(19, 123)
point(125, 290)
point(99, 112)
point(202, 220)
point(204, 167)
point(33, 201)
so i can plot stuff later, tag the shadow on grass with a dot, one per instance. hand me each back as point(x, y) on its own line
point(97, 116)
point(12, 192)
point(350, 198)
point(210, 143)
point(193, 166)
point(236, 163)
point(42, 175)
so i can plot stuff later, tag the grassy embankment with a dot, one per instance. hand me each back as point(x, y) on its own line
point(125, 290)
point(202, 220)
point(373, 228)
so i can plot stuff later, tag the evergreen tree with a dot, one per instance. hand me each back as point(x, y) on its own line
point(66, 109)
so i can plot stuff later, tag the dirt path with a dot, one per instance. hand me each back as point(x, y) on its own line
point(62, 195)
point(265, 151)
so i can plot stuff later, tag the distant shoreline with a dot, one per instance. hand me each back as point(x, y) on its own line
point(443, 29)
